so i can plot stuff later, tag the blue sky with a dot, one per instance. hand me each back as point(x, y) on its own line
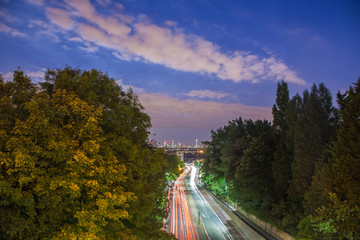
point(195, 64)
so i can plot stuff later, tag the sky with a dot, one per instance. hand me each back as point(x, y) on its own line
point(195, 64)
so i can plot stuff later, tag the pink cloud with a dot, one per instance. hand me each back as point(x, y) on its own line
point(37, 76)
point(207, 94)
point(14, 32)
point(140, 40)
point(169, 112)
point(59, 17)
point(36, 2)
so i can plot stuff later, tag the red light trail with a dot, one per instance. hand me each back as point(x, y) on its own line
point(182, 223)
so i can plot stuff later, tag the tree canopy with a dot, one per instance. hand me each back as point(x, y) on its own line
point(300, 172)
point(75, 162)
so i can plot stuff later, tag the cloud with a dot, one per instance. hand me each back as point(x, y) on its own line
point(170, 23)
point(138, 39)
point(123, 56)
point(170, 112)
point(119, 6)
point(59, 17)
point(36, 2)
point(206, 94)
point(47, 28)
point(89, 47)
point(7, 76)
point(6, 15)
point(6, 29)
point(126, 87)
point(36, 76)
point(103, 3)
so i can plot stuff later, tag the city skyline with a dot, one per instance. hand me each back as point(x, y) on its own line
point(195, 65)
point(174, 143)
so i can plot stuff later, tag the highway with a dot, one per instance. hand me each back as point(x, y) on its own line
point(195, 215)
point(181, 221)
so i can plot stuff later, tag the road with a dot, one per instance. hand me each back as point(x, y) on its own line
point(181, 221)
point(195, 215)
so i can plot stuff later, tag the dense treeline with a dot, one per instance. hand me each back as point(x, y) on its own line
point(74, 160)
point(300, 172)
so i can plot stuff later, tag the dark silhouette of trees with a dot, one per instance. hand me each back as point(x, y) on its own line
point(300, 172)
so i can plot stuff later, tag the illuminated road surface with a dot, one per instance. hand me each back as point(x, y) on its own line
point(210, 218)
point(181, 221)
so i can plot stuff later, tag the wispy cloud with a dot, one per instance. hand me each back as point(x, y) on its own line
point(103, 3)
point(140, 40)
point(36, 2)
point(46, 28)
point(6, 15)
point(59, 17)
point(170, 23)
point(7, 76)
point(207, 94)
point(12, 31)
point(170, 112)
point(36, 76)
point(126, 87)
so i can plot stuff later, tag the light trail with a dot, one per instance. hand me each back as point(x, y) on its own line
point(213, 222)
point(182, 223)
point(205, 206)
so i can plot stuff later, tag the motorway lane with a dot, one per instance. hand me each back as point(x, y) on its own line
point(225, 219)
point(214, 220)
point(181, 221)
point(213, 223)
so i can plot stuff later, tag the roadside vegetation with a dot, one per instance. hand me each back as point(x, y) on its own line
point(175, 167)
point(299, 172)
point(75, 161)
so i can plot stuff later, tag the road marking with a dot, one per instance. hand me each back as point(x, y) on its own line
point(206, 203)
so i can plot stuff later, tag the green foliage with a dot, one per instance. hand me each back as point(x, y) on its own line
point(313, 130)
point(122, 113)
point(321, 185)
point(197, 163)
point(74, 162)
point(125, 128)
point(253, 175)
point(173, 164)
point(285, 171)
point(278, 110)
point(334, 194)
point(283, 156)
point(238, 160)
point(337, 220)
point(346, 148)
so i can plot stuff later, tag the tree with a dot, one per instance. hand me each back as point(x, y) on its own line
point(172, 169)
point(322, 184)
point(214, 168)
point(74, 161)
point(340, 217)
point(56, 179)
point(282, 155)
point(346, 148)
point(313, 131)
point(253, 175)
point(279, 109)
point(336, 183)
point(126, 129)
